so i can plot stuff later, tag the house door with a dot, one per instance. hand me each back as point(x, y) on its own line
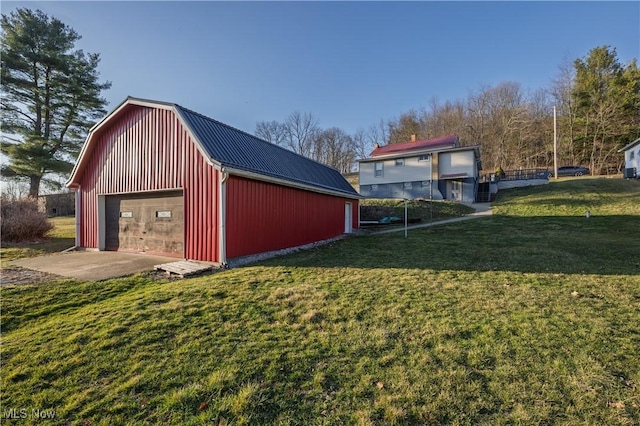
point(455, 190)
point(348, 225)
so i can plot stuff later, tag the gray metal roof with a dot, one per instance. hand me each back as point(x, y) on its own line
point(630, 145)
point(234, 148)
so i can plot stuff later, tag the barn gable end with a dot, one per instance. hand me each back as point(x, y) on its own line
point(143, 150)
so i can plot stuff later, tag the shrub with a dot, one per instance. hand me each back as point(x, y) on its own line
point(20, 220)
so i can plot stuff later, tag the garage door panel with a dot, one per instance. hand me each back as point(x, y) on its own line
point(145, 222)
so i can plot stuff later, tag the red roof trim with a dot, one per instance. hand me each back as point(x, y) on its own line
point(449, 140)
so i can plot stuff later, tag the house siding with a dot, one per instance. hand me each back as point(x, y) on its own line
point(457, 163)
point(143, 150)
point(411, 179)
point(412, 169)
point(417, 189)
point(632, 159)
point(262, 216)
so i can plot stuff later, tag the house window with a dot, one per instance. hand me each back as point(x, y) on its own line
point(425, 183)
point(400, 162)
point(632, 156)
point(426, 157)
point(407, 185)
point(163, 213)
point(126, 214)
point(374, 187)
point(379, 169)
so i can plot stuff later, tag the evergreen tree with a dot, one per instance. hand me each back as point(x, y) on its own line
point(50, 96)
point(607, 99)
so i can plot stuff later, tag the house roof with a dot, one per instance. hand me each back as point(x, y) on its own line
point(449, 141)
point(424, 147)
point(629, 146)
point(239, 153)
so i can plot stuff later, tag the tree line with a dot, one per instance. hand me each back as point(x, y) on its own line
point(301, 133)
point(597, 102)
point(51, 94)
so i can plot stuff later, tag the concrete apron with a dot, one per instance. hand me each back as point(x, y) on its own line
point(93, 265)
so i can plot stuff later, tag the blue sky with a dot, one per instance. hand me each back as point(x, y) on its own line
point(350, 64)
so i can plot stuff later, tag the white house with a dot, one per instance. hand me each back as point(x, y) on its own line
point(632, 159)
point(431, 169)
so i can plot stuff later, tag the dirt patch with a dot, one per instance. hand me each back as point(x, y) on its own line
point(14, 275)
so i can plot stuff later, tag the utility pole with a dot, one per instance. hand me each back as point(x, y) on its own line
point(430, 188)
point(555, 145)
point(405, 218)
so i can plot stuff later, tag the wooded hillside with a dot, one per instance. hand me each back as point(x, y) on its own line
point(597, 101)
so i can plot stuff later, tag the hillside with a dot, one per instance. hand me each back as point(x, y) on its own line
point(525, 317)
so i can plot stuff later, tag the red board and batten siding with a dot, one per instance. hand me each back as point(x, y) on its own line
point(261, 216)
point(148, 149)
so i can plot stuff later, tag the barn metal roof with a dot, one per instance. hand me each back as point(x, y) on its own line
point(236, 149)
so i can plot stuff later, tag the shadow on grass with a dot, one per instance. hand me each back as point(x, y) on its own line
point(603, 245)
point(572, 197)
point(14, 251)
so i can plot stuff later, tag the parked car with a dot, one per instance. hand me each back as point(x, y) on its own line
point(571, 171)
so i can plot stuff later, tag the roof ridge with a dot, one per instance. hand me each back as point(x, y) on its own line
point(452, 139)
point(425, 140)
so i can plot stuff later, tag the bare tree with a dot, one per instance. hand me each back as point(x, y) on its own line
point(271, 131)
point(300, 131)
point(362, 144)
point(445, 119)
point(561, 88)
point(14, 189)
point(407, 125)
point(335, 148)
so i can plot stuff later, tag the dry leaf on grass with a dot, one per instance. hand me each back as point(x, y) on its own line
point(619, 405)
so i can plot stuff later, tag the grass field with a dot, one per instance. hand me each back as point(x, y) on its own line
point(420, 211)
point(526, 317)
point(61, 237)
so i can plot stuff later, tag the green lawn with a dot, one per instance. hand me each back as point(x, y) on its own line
point(61, 237)
point(419, 211)
point(530, 316)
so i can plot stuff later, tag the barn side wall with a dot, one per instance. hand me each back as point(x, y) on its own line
point(147, 149)
point(262, 217)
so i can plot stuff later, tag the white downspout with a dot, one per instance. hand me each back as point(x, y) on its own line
point(78, 215)
point(222, 202)
point(77, 218)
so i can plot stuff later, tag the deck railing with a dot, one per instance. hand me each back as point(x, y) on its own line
point(521, 174)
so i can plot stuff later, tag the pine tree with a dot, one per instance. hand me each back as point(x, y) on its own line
point(50, 96)
point(607, 99)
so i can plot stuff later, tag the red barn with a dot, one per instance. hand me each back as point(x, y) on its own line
point(158, 178)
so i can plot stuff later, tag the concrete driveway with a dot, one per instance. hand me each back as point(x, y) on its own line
point(93, 265)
